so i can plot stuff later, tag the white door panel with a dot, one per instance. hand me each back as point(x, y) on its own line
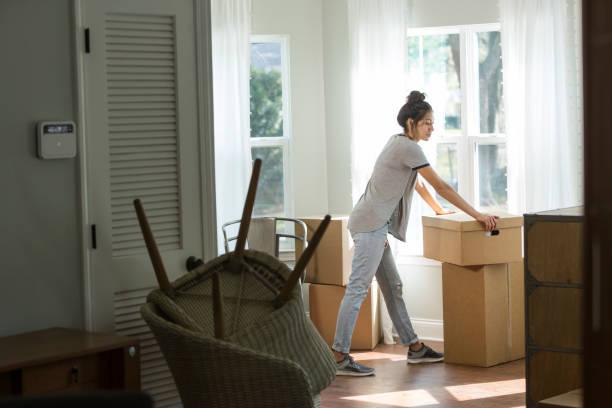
point(140, 107)
point(142, 142)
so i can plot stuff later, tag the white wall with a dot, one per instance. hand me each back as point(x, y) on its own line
point(337, 105)
point(431, 13)
point(302, 22)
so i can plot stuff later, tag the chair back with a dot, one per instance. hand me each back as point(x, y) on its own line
point(213, 373)
point(251, 318)
point(264, 234)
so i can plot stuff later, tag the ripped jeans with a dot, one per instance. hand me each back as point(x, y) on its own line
point(372, 257)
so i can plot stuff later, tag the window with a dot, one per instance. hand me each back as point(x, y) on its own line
point(460, 70)
point(270, 124)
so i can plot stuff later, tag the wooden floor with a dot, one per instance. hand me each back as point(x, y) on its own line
point(437, 385)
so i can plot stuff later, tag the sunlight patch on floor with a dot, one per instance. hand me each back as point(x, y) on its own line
point(486, 390)
point(412, 398)
point(374, 355)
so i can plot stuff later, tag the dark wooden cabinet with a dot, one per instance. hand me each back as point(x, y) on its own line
point(66, 360)
point(553, 302)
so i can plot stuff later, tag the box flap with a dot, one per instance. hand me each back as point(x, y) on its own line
point(463, 222)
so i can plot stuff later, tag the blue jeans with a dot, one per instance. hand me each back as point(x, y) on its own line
point(372, 257)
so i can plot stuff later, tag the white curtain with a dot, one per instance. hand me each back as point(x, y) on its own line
point(377, 42)
point(231, 29)
point(543, 103)
point(377, 39)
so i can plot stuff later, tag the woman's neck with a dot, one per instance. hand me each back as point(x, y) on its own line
point(411, 138)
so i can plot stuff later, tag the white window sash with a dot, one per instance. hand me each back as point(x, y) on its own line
point(284, 142)
point(470, 136)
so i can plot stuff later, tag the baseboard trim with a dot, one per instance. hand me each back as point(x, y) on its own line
point(428, 329)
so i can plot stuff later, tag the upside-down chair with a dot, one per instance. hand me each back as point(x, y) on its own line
point(234, 331)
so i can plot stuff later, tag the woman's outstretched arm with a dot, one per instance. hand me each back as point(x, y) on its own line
point(446, 191)
point(423, 191)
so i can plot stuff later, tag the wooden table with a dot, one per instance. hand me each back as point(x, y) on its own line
point(67, 360)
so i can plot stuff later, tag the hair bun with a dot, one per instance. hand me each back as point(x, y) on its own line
point(415, 97)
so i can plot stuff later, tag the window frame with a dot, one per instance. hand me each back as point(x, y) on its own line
point(470, 138)
point(284, 142)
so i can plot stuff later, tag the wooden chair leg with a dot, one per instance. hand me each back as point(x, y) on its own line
point(156, 260)
point(162, 277)
point(247, 211)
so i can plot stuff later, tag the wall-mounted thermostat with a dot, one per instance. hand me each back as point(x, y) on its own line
point(56, 140)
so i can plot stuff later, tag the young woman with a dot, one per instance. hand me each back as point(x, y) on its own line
point(384, 208)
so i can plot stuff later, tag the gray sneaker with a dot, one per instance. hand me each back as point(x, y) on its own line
point(348, 366)
point(425, 355)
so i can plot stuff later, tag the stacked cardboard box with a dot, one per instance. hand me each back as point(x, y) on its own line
point(482, 285)
point(328, 274)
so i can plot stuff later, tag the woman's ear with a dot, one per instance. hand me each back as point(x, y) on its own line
point(409, 126)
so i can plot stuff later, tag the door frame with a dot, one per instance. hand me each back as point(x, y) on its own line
point(205, 125)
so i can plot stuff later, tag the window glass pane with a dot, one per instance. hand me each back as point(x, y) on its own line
point(490, 82)
point(492, 179)
point(266, 90)
point(434, 68)
point(446, 167)
point(270, 197)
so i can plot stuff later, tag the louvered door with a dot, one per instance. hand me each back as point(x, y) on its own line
point(141, 132)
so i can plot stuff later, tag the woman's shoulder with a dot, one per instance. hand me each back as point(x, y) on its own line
point(405, 142)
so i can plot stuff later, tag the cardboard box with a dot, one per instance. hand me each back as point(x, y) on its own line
point(461, 240)
point(324, 305)
point(331, 262)
point(484, 313)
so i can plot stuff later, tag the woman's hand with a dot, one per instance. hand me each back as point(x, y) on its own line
point(489, 221)
point(444, 211)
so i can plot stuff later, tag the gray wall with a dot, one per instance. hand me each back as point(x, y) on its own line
point(40, 248)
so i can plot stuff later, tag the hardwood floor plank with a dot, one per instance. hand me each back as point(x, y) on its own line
point(397, 384)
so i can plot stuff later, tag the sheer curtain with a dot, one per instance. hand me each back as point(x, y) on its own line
point(377, 41)
point(377, 38)
point(543, 103)
point(231, 28)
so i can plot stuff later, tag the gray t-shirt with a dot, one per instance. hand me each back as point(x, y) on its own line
point(388, 195)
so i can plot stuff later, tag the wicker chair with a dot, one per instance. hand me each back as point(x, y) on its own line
point(234, 331)
point(269, 356)
point(212, 373)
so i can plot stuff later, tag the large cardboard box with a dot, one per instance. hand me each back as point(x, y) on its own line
point(331, 262)
point(461, 240)
point(484, 313)
point(324, 305)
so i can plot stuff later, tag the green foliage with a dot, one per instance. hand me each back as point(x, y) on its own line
point(270, 191)
point(266, 103)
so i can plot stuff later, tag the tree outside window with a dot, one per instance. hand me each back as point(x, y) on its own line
point(268, 122)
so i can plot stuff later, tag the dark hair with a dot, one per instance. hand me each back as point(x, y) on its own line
point(415, 108)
